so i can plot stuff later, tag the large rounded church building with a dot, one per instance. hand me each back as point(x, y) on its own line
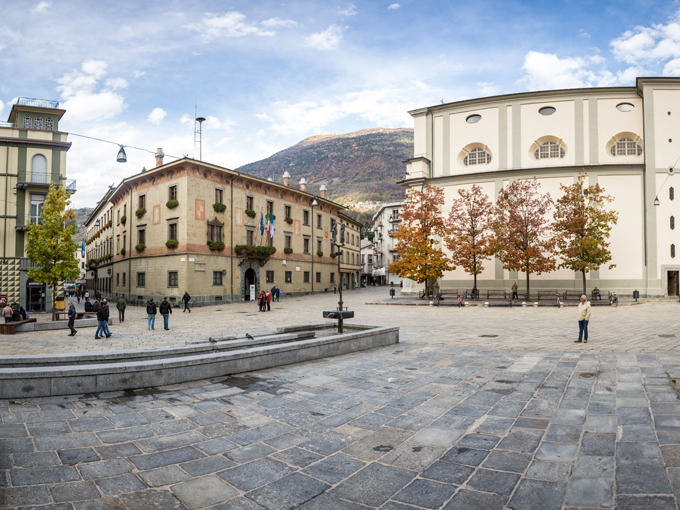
point(626, 138)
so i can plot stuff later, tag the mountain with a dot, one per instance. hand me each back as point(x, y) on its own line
point(363, 166)
point(81, 216)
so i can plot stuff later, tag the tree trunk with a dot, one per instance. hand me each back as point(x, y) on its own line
point(475, 285)
point(54, 302)
point(583, 272)
point(528, 294)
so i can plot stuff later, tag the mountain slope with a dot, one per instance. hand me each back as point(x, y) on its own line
point(360, 166)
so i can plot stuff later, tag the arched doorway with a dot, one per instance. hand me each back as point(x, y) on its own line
point(248, 280)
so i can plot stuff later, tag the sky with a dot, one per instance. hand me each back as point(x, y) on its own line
point(267, 74)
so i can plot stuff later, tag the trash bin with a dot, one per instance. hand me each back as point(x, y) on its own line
point(392, 293)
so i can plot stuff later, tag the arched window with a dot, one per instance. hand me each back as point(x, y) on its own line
point(671, 193)
point(672, 251)
point(672, 222)
point(49, 124)
point(549, 150)
point(38, 123)
point(39, 169)
point(27, 122)
point(477, 156)
point(626, 147)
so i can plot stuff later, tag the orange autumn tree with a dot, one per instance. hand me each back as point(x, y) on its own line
point(582, 227)
point(471, 230)
point(523, 232)
point(420, 259)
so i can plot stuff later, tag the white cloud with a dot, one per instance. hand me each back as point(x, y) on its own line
point(157, 115)
point(81, 98)
point(583, 33)
point(649, 44)
point(263, 116)
point(2, 106)
point(548, 71)
point(41, 7)
point(393, 6)
point(487, 89)
point(329, 39)
point(230, 24)
point(215, 123)
point(277, 22)
point(138, 74)
point(350, 10)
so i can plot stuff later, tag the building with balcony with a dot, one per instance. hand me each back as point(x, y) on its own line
point(627, 139)
point(193, 226)
point(367, 253)
point(350, 265)
point(385, 223)
point(32, 155)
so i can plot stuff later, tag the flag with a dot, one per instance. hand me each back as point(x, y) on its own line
point(261, 224)
point(271, 226)
point(82, 251)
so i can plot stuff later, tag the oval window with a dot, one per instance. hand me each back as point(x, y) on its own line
point(473, 119)
point(547, 110)
point(625, 107)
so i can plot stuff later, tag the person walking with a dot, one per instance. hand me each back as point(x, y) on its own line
point(269, 301)
point(514, 292)
point(88, 305)
point(186, 298)
point(583, 318)
point(166, 310)
point(7, 313)
point(98, 296)
point(277, 293)
point(120, 305)
point(151, 312)
point(103, 319)
point(72, 318)
point(78, 296)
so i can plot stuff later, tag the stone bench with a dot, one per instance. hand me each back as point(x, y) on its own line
point(9, 328)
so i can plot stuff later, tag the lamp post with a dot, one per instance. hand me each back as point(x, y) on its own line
point(313, 203)
point(96, 226)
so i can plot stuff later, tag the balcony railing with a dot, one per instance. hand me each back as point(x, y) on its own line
point(40, 103)
point(26, 179)
point(392, 232)
point(394, 219)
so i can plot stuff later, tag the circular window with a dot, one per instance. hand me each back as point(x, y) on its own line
point(625, 107)
point(473, 119)
point(547, 110)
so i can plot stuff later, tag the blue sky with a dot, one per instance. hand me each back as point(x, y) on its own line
point(270, 73)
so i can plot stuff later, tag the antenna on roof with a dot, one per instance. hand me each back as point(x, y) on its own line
point(198, 130)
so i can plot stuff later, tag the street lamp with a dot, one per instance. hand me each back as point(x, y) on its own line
point(314, 203)
point(122, 157)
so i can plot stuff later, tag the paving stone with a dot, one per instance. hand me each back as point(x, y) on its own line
point(150, 500)
point(124, 435)
point(478, 441)
point(633, 416)
point(117, 451)
point(335, 468)
point(207, 465)
point(255, 474)
point(671, 456)
point(642, 480)
point(448, 473)
point(43, 475)
point(163, 476)
point(638, 454)
point(523, 440)
point(533, 494)
point(19, 445)
point(324, 501)
point(471, 500)
point(497, 482)
point(51, 428)
point(103, 469)
point(532, 423)
point(507, 409)
point(664, 422)
point(328, 443)
point(593, 467)
point(556, 452)
point(203, 492)
point(645, 503)
point(466, 456)
point(57, 506)
point(24, 496)
point(122, 484)
point(284, 441)
point(377, 444)
point(426, 493)
point(548, 471)
point(248, 453)
point(77, 456)
point(75, 491)
point(438, 436)
point(288, 492)
point(569, 417)
point(600, 424)
point(636, 433)
point(569, 434)
point(590, 492)
point(91, 424)
point(11, 430)
point(167, 458)
point(36, 459)
point(374, 484)
point(515, 462)
point(599, 444)
point(297, 457)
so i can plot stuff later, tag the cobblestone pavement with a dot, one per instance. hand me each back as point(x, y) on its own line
point(444, 420)
point(623, 329)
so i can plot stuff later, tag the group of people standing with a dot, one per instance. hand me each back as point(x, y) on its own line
point(264, 301)
point(165, 308)
point(14, 312)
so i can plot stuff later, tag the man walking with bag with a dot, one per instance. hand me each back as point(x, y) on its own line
point(186, 298)
point(72, 318)
point(583, 318)
point(166, 310)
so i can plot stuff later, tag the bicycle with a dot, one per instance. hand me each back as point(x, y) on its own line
point(436, 298)
point(460, 300)
point(613, 300)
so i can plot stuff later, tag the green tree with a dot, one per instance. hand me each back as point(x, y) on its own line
point(50, 246)
point(582, 227)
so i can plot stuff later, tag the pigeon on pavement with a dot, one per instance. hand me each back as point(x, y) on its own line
point(249, 337)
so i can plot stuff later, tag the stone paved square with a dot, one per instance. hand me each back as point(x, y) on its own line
point(445, 420)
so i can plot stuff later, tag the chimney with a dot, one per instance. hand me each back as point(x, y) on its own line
point(303, 184)
point(322, 191)
point(159, 157)
point(286, 178)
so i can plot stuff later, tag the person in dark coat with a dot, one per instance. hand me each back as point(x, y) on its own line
point(88, 305)
point(72, 318)
point(166, 310)
point(98, 295)
point(103, 319)
point(16, 314)
point(186, 298)
point(151, 311)
point(95, 306)
point(121, 305)
point(24, 313)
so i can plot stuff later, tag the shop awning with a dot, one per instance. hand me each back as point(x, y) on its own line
point(346, 271)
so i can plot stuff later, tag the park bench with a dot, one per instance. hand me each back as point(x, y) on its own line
point(7, 328)
point(572, 295)
point(468, 294)
point(548, 295)
point(496, 294)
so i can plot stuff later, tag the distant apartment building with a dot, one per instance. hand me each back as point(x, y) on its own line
point(33, 155)
point(367, 254)
point(385, 224)
point(215, 233)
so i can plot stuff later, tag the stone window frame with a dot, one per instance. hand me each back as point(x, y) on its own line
point(174, 222)
point(305, 217)
point(38, 123)
point(305, 245)
point(306, 277)
point(141, 201)
point(250, 236)
point(250, 202)
point(267, 277)
point(172, 192)
point(289, 277)
point(213, 226)
point(141, 279)
point(141, 234)
point(318, 277)
point(549, 150)
point(625, 146)
point(219, 194)
point(217, 282)
point(319, 220)
point(173, 277)
point(288, 240)
point(477, 156)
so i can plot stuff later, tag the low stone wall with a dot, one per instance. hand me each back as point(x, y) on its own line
point(104, 374)
point(50, 325)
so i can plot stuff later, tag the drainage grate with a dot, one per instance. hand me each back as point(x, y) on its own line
point(488, 336)
point(667, 336)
